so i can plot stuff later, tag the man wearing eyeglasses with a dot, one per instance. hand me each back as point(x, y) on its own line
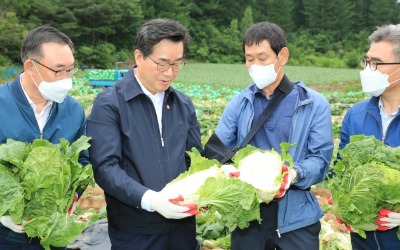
point(36, 105)
point(378, 116)
point(141, 128)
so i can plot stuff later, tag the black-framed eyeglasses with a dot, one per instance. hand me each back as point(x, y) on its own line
point(373, 65)
point(60, 73)
point(163, 66)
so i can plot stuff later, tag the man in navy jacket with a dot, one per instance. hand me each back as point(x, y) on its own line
point(378, 116)
point(141, 129)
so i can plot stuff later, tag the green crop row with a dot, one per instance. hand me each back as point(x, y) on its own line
point(103, 75)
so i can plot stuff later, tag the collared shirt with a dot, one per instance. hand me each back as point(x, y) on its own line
point(385, 117)
point(43, 116)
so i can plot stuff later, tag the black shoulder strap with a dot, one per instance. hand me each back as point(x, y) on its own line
point(283, 89)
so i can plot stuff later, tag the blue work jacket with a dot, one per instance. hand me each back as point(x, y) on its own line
point(18, 122)
point(365, 118)
point(310, 132)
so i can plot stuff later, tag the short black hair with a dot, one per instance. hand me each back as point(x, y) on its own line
point(265, 31)
point(155, 30)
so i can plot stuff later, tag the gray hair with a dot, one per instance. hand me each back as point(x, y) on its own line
point(155, 30)
point(388, 33)
point(32, 43)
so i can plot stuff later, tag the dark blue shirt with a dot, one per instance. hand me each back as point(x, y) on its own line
point(277, 127)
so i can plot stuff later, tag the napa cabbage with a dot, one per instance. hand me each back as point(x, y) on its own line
point(235, 200)
point(263, 169)
point(366, 178)
point(206, 184)
point(331, 240)
point(38, 181)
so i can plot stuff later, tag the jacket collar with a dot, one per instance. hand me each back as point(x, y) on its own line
point(373, 106)
point(17, 91)
point(374, 102)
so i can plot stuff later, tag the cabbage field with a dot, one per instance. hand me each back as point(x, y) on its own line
point(211, 87)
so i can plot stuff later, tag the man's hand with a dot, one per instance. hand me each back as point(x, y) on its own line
point(9, 223)
point(166, 205)
point(387, 219)
point(288, 177)
point(73, 205)
point(193, 208)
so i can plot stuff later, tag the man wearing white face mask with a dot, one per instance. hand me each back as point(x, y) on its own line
point(378, 116)
point(36, 106)
point(302, 118)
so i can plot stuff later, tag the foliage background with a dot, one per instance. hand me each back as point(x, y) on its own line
point(320, 33)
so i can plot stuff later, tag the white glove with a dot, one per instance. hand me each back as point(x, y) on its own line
point(161, 202)
point(8, 222)
point(388, 219)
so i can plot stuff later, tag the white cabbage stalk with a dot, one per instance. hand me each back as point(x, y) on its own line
point(188, 186)
point(263, 170)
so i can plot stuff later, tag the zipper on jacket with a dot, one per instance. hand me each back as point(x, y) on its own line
point(384, 135)
point(48, 118)
point(164, 104)
point(377, 242)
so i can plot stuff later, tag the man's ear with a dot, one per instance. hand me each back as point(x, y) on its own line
point(29, 68)
point(138, 56)
point(284, 56)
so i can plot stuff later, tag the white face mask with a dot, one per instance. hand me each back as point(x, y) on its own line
point(54, 91)
point(374, 82)
point(263, 76)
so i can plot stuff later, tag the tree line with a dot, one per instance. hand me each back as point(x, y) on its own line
point(320, 33)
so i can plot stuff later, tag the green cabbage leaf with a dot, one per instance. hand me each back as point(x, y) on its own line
point(38, 181)
point(366, 178)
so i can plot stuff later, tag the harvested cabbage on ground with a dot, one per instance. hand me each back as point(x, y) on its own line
point(331, 240)
point(233, 202)
point(366, 179)
point(38, 181)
